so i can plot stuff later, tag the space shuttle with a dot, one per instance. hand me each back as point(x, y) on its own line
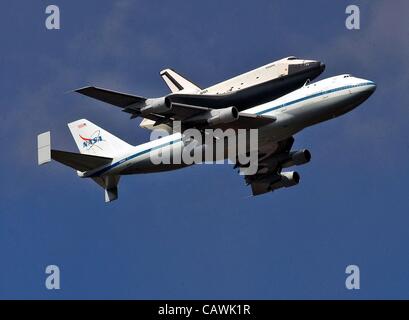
point(246, 90)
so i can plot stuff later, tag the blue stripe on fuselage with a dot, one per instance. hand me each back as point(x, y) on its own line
point(314, 96)
point(113, 165)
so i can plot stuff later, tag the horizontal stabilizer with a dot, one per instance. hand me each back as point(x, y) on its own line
point(78, 161)
point(115, 98)
point(44, 147)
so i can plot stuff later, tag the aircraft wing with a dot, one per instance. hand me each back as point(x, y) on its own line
point(248, 121)
point(115, 98)
point(191, 116)
point(163, 111)
point(270, 164)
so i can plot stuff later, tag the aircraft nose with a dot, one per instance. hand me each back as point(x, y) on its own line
point(322, 66)
point(367, 90)
point(372, 87)
point(315, 64)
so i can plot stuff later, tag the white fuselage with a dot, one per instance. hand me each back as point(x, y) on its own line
point(311, 104)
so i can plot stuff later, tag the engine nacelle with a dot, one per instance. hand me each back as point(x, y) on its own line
point(156, 105)
point(297, 158)
point(288, 179)
point(220, 116)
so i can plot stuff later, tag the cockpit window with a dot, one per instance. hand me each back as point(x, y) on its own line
point(291, 58)
point(347, 76)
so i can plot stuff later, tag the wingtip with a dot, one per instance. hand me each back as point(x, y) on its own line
point(79, 90)
point(82, 89)
point(69, 91)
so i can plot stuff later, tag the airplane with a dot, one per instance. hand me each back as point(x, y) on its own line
point(105, 158)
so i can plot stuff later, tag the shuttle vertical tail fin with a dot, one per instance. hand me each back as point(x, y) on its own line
point(177, 83)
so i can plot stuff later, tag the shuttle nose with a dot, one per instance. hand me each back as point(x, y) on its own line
point(310, 68)
point(322, 66)
point(315, 64)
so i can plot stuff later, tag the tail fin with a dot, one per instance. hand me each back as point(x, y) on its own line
point(176, 82)
point(79, 162)
point(93, 140)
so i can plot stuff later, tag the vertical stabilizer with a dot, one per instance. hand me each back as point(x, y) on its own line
point(177, 83)
point(44, 147)
point(93, 140)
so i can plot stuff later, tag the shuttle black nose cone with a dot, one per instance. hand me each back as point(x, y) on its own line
point(322, 66)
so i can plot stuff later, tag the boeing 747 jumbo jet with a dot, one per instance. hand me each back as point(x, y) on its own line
point(105, 158)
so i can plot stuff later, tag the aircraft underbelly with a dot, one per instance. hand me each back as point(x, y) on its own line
point(147, 166)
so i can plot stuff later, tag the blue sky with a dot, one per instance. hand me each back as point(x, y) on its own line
point(195, 233)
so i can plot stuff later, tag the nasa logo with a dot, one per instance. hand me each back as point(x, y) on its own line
point(88, 143)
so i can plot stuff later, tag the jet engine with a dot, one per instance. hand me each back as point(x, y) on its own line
point(297, 158)
point(214, 117)
point(287, 179)
point(156, 105)
point(220, 116)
